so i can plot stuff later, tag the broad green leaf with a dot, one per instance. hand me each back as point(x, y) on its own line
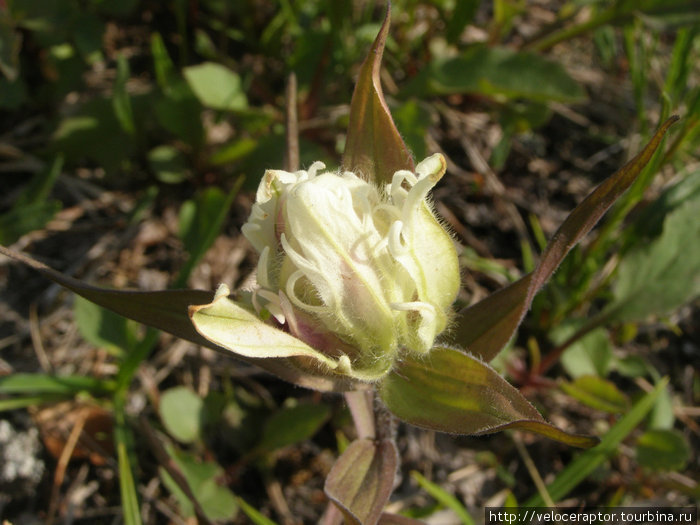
point(362, 480)
point(47, 384)
point(650, 222)
point(457, 393)
point(659, 276)
point(217, 501)
point(180, 113)
point(374, 148)
point(583, 465)
point(103, 328)
point(487, 326)
point(663, 450)
point(590, 355)
point(293, 424)
point(495, 71)
point(444, 497)
point(216, 86)
point(597, 393)
point(167, 310)
point(181, 412)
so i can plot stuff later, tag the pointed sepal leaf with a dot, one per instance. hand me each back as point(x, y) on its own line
point(167, 310)
point(457, 393)
point(484, 328)
point(362, 480)
point(374, 148)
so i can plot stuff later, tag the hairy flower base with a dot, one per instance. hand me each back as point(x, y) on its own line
point(355, 271)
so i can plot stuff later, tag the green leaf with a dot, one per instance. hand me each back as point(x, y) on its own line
point(216, 86)
point(217, 501)
point(495, 71)
point(127, 486)
point(374, 148)
point(168, 164)
point(413, 120)
point(166, 74)
point(457, 393)
point(590, 355)
point(256, 517)
point(293, 424)
point(168, 310)
point(663, 450)
point(362, 480)
point(180, 113)
point(121, 100)
point(662, 275)
point(94, 133)
point(661, 416)
point(597, 393)
point(444, 497)
point(200, 223)
point(47, 384)
point(183, 500)
point(181, 412)
point(582, 466)
point(487, 326)
point(103, 328)
point(14, 403)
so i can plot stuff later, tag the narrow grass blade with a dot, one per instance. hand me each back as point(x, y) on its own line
point(23, 402)
point(253, 514)
point(588, 461)
point(127, 486)
point(444, 497)
point(47, 384)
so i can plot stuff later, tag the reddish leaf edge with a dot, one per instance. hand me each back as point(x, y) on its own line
point(367, 150)
point(407, 395)
point(167, 310)
point(487, 337)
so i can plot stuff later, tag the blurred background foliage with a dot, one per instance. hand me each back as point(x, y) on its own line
point(134, 131)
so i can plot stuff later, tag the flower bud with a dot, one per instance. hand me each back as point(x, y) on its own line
point(368, 271)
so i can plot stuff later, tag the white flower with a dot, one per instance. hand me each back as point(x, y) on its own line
point(370, 266)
